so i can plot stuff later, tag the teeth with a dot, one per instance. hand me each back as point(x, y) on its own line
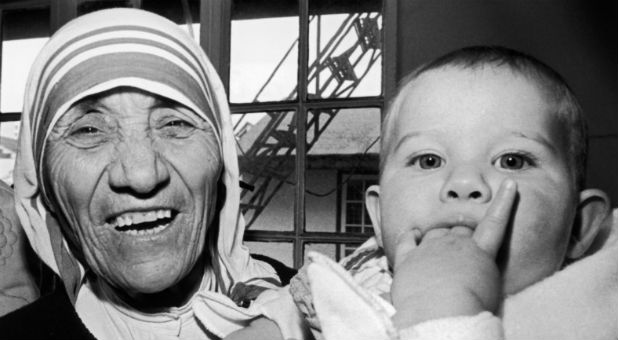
point(129, 219)
point(141, 217)
point(144, 217)
point(151, 231)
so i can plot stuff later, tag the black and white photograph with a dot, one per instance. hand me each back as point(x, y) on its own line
point(309, 169)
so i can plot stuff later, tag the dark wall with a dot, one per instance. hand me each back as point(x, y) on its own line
point(576, 37)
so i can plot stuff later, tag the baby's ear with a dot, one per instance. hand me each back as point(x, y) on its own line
point(592, 210)
point(372, 203)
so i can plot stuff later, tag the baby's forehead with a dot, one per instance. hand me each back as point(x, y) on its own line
point(451, 74)
point(458, 94)
point(448, 80)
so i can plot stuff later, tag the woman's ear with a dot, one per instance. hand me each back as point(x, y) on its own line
point(372, 203)
point(592, 210)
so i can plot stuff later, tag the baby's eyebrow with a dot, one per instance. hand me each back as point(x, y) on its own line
point(535, 137)
point(408, 136)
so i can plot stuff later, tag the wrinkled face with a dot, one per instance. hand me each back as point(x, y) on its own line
point(458, 135)
point(135, 176)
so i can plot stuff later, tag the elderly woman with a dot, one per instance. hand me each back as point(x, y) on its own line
point(126, 184)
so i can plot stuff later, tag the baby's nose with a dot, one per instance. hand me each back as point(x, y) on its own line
point(466, 184)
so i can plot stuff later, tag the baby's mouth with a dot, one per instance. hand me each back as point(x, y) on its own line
point(143, 222)
point(462, 226)
point(459, 225)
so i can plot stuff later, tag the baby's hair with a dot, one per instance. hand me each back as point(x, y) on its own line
point(555, 88)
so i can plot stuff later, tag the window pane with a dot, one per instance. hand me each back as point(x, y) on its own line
point(355, 190)
point(264, 52)
point(333, 250)
point(24, 32)
point(188, 17)
point(321, 200)
point(353, 229)
point(354, 213)
point(348, 249)
point(345, 51)
point(173, 10)
point(8, 148)
point(328, 249)
point(267, 149)
point(340, 142)
point(367, 221)
point(279, 251)
point(355, 218)
point(87, 6)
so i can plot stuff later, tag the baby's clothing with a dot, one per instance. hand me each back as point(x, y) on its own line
point(342, 301)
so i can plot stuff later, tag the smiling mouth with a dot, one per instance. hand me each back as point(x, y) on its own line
point(143, 222)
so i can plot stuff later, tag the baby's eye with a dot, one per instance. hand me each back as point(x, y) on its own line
point(514, 161)
point(427, 161)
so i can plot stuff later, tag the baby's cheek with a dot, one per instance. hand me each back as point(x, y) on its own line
point(540, 230)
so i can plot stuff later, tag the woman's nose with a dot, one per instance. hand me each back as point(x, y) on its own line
point(466, 184)
point(138, 167)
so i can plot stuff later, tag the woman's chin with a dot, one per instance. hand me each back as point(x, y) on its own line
point(154, 287)
point(145, 279)
point(148, 283)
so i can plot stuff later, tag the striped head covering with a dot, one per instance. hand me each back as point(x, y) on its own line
point(110, 49)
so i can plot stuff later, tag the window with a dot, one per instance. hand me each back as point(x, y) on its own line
point(306, 90)
point(354, 216)
point(24, 32)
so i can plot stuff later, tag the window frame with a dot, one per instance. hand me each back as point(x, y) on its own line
point(347, 178)
point(24, 5)
point(216, 42)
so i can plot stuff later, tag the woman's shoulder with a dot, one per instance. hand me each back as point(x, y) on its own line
point(49, 317)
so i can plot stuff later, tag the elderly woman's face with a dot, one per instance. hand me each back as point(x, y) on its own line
point(135, 176)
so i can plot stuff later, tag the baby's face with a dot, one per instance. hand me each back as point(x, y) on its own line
point(458, 135)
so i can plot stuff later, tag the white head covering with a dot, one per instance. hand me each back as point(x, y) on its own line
point(105, 50)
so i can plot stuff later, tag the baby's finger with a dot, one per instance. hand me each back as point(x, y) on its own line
point(462, 231)
point(435, 233)
point(490, 232)
point(407, 241)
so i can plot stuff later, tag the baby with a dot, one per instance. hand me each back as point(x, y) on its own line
point(479, 207)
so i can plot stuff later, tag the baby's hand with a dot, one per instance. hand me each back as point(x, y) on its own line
point(451, 272)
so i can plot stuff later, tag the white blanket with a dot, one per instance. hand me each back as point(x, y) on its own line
point(579, 302)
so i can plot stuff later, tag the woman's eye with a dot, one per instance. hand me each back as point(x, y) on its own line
point(513, 161)
point(177, 128)
point(85, 130)
point(178, 123)
point(427, 161)
point(87, 136)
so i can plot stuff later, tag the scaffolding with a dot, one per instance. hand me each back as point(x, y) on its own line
point(263, 165)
